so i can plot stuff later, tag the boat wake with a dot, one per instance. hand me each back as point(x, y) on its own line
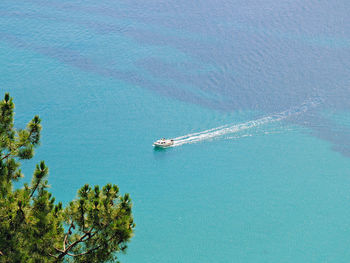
point(228, 129)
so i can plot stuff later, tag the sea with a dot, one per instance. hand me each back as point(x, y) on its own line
point(256, 95)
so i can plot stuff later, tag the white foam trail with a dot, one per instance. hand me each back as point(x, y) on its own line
point(227, 129)
point(198, 133)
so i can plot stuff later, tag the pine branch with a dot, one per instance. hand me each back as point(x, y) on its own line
point(66, 236)
point(39, 174)
point(84, 253)
point(36, 186)
point(6, 156)
point(81, 239)
point(53, 256)
point(91, 250)
point(19, 146)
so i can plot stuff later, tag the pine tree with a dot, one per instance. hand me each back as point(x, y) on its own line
point(34, 228)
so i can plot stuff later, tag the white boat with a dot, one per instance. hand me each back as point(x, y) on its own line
point(163, 143)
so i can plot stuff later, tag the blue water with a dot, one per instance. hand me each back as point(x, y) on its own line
point(109, 78)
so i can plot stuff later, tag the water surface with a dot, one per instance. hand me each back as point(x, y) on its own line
point(109, 78)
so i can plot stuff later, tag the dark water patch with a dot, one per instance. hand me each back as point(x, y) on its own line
point(75, 59)
point(326, 129)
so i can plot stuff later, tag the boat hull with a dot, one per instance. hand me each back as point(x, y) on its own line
point(163, 146)
point(163, 143)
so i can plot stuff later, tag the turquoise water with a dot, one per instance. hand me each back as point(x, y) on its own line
point(108, 79)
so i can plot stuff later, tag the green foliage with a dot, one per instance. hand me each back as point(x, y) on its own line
point(33, 228)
